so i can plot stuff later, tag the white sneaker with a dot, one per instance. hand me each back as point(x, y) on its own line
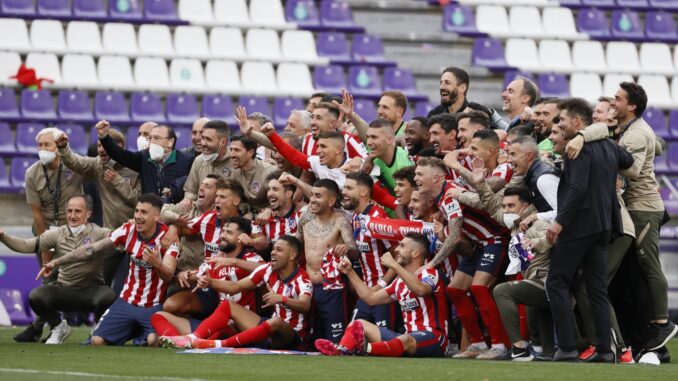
point(650, 358)
point(59, 333)
point(493, 354)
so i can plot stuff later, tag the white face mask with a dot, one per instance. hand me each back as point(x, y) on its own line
point(156, 151)
point(77, 229)
point(209, 158)
point(46, 157)
point(142, 143)
point(510, 219)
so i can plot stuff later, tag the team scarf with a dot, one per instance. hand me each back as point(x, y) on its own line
point(519, 257)
point(393, 230)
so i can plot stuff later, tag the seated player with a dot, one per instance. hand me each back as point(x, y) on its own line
point(290, 291)
point(421, 298)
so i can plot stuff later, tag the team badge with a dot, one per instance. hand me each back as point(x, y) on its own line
point(86, 241)
point(255, 186)
point(292, 223)
point(127, 180)
point(227, 172)
point(68, 174)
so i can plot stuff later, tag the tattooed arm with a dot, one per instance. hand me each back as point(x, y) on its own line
point(346, 231)
point(454, 227)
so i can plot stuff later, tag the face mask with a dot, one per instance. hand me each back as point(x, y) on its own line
point(46, 157)
point(156, 151)
point(142, 143)
point(510, 219)
point(77, 229)
point(209, 158)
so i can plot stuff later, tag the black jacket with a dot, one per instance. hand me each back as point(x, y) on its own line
point(536, 170)
point(442, 109)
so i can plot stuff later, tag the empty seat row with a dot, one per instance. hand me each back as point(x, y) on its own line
point(116, 72)
point(365, 81)
point(25, 138)
point(152, 10)
point(626, 25)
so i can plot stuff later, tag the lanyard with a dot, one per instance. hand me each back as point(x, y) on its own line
point(55, 193)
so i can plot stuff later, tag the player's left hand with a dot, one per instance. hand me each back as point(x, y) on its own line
point(46, 270)
point(111, 175)
point(388, 261)
point(271, 298)
point(553, 232)
point(574, 146)
point(152, 256)
point(352, 165)
point(454, 192)
point(245, 239)
point(341, 250)
point(268, 129)
point(203, 282)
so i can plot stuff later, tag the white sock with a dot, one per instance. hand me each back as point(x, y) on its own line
point(369, 348)
point(217, 343)
point(499, 346)
point(538, 348)
point(479, 345)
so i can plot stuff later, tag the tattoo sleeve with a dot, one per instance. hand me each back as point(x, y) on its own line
point(454, 228)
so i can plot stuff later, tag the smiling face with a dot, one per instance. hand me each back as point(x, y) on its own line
point(210, 142)
point(321, 200)
point(621, 106)
point(427, 178)
point(228, 239)
point(146, 217)
point(380, 140)
point(545, 119)
point(558, 139)
point(387, 109)
point(600, 112)
point(240, 156)
point(329, 151)
point(351, 194)
point(421, 205)
point(466, 131)
point(450, 89)
point(416, 136)
point(281, 254)
point(76, 212)
point(512, 96)
point(322, 120)
point(294, 125)
point(278, 197)
point(519, 159)
point(442, 141)
point(207, 192)
point(403, 191)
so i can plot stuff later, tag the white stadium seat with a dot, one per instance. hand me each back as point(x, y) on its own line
point(611, 83)
point(227, 43)
point(83, 37)
point(151, 73)
point(656, 58)
point(267, 13)
point(493, 20)
point(119, 38)
point(657, 89)
point(587, 86)
point(79, 70)
point(525, 21)
point(674, 88)
point(231, 12)
point(191, 41)
point(622, 57)
point(294, 78)
point(9, 64)
point(155, 40)
point(554, 55)
point(222, 76)
point(45, 64)
point(186, 74)
point(19, 32)
point(298, 45)
point(558, 22)
point(263, 44)
point(589, 56)
point(258, 77)
point(47, 36)
point(196, 11)
point(115, 72)
point(522, 53)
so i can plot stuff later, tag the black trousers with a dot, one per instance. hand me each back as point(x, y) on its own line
point(589, 252)
point(47, 300)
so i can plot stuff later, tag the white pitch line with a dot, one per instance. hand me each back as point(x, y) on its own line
point(99, 375)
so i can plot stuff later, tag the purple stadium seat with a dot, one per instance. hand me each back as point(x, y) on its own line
point(93, 135)
point(512, 74)
point(626, 25)
point(367, 48)
point(673, 122)
point(570, 3)
point(366, 109)
point(145, 107)
point(160, 10)
point(660, 163)
point(639, 4)
point(302, 12)
point(554, 85)
point(282, 108)
point(329, 78)
point(333, 45)
point(593, 22)
point(336, 13)
point(17, 170)
point(54, 8)
point(423, 108)
point(17, 7)
point(598, 3)
point(125, 10)
point(183, 137)
point(25, 137)
point(112, 106)
point(460, 19)
point(673, 156)
point(8, 105)
point(131, 138)
point(92, 9)
point(489, 52)
point(255, 104)
point(182, 108)
point(219, 106)
point(7, 142)
point(14, 305)
point(74, 105)
point(400, 79)
point(364, 81)
point(657, 120)
point(77, 138)
point(37, 104)
point(660, 26)
point(664, 4)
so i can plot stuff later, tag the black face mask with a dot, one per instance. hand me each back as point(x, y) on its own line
point(613, 132)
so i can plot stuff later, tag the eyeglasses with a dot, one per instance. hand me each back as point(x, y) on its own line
point(157, 138)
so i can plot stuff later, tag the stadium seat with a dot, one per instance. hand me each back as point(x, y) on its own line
point(364, 81)
point(191, 41)
point(90, 9)
point(119, 38)
point(196, 11)
point(673, 156)
point(294, 78)
point(37, 104)
point(112, 106)
point(8, 104)
point(298, 45)
point(219, 106)
point(632, 3)
point(255, 104)
point(493, 20)
point(53, 8)
point(151, 73)
point(522, 53)
point(460, 19)
point(558, 22)
point(598, 3)
point(258, 77)
point(336, 14)
point(660, 163)
point(79, 70)
point(115, 71)
point(227, 43)
point(611, 83)
point(657, 89)
point(657, 120)
point(660, 26)
point(183, 137)
point(5, 184)
point(333, 45)
point(182, 108)
point(9, 64)
point(664, 4)
point(19, 32)
point(366, 109)
point(74, 105)
point(525, 21)
point(626, 25)
point(673, 124)
point(622, 57)
point(77, 139)
point(17, 170)
point(83, 37)
point(589, 56)
point(125, 10)
point(7, 147)
point(14, 304)
point(263, 44)
point(587, 86)
point(488, 52)
point(155, 40)
point(17, 7)
point(282, 108)
point(25, 137)
point(267, 13)
point(401, 80)
point(367, 48)
point(186, 74)
point(222, 76)
point(146, 107)
point(160, 10)
point(423, 108)
point(553, 85)
point(593, 22)
point(510, 75)
point(555, 55)
point(656, 58)
point(302, 12)
point(46, 65)
point(231, 12)
point(48, 36)
point(329, 78)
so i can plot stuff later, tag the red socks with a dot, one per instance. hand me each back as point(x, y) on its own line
point(391, 348)
point(252, 335)
point(490, 314)
point(162, 326)
point(215, 322)
point(348, 341)
point(466, 313)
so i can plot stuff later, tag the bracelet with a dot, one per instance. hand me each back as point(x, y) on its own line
point(284, 299)
point(382, 283)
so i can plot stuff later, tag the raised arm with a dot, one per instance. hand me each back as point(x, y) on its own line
point(131, 160)
point(346, 108)
point(366, 294)
point(413, 283)
point(21, 245)
point(86, 166)
point(290, 154)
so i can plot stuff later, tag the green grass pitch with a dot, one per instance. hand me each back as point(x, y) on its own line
point(72, 361)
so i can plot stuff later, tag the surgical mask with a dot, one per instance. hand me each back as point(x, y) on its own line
point(209, 158)
point(46, 157)
point(156, 151)
point(77, 229)
point(142, 143)
point(510, 219)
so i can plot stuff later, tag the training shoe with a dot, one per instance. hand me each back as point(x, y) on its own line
point(59, 333)
point(451, 350)
point(494, 353)
point(358, 332)
point(29, 335)
point(601, 358)
point(649, 358)
point(181, 342)
point(471, 352)
point(664, 355)
point(329, 348)
point(521, 354)
point(660, 335)
point(563, 356)
point(588, 352)
point(626, 357)
point(540, 356)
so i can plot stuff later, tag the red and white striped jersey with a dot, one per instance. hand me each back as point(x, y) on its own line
point(422, 313)
point(370, 249)
point(208, 226)
point(293, 287)
point(278, 226)
point(352, 146)
point(143, 287)
point(246, 299)
point(333, 279)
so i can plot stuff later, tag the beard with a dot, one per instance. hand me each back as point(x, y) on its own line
point(350, 204)
point(227, 248)
point(454, 94)
point(417, 146)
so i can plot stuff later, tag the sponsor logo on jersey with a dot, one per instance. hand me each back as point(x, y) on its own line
point(408, 304)
point(141, 263)
point(363, 246)
point(212, 248)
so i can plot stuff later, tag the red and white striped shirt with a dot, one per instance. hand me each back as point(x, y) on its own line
point(352, 146)
point(370, 249)
point(422, 313)
point(333, 279)
point(279, 226)
point(209, 228)
point(143, 287)
point(293, 287)
point(246, 299)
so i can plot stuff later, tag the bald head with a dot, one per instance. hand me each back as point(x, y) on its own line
point(145, 128)
point(196, 134)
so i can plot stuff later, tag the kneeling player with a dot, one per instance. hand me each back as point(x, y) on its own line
point(290, 291)
point(422, 301)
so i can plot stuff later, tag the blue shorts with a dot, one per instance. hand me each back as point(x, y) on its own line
point(209, 301)
point(122, 321)
point(489, 259)
point(429, 344)
point(382, 315)
point(330, 313)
